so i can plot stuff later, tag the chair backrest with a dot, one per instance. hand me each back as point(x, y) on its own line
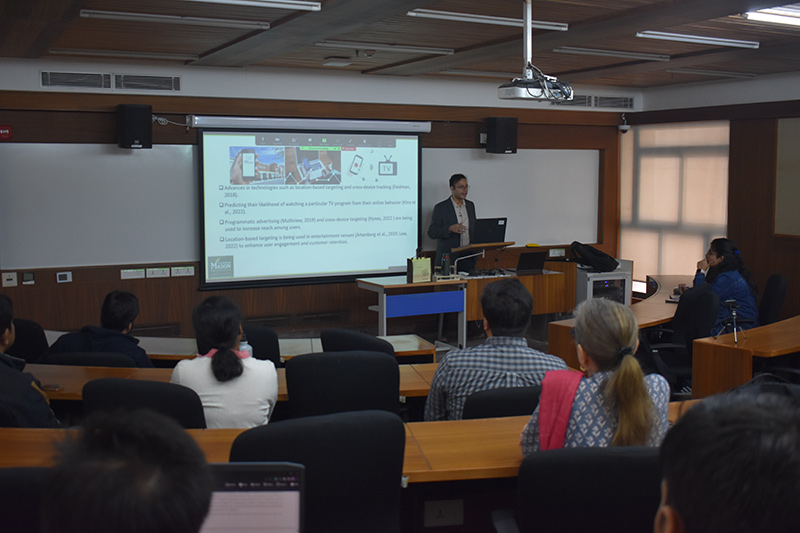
point(7, 417)
point(772, 299)
point(20, 492)
point(30, 342)
point(353, 461)
point(344, 340)
point(333, 382)
point(265, 343)
point(695, 316)
point(615, 489)
point(179, 402)
point(503, 401)
point(89, 359)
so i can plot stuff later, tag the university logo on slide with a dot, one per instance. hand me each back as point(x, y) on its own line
point(220, 266)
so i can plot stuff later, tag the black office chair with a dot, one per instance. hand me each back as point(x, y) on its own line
point(333, 382)
point(500, 402)
point(30, 342)
point(7, 418)
point(672, 348)
point(265, 343)
point(345, 340)
point(89, 359)
point(179, 402)
point(772, 299)
point(20, 492)
point(585, 489)
point(353, 461)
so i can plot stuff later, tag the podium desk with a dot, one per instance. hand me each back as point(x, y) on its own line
point(721, 364)
point(397, 298)
point(649, 312)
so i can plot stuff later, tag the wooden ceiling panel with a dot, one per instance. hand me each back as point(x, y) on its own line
point(28, 29)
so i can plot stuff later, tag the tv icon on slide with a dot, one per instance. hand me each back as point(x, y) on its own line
point(387, 168)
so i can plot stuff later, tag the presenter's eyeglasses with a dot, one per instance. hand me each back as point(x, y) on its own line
point(462, 187)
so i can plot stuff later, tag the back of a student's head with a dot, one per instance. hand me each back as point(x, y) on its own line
point(119, 310)
point(507, 306)
point(731, 464)
point(136, 472)
point(217, 324)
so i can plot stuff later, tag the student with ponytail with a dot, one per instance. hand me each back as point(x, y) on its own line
point(237, 391)
point(723, 268)
point(612, 403)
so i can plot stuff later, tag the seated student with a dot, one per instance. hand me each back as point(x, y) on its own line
point(723, 268)
point(731, 464)
point(136, 472)
point(237, 391)
point(614, 404)
point(504, 360)
point(119, 311)
point(23, 402)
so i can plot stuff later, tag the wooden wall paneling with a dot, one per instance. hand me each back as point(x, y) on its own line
point(751, 207)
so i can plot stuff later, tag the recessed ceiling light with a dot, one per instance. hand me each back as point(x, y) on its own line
point(713, 73)
point(297, 5)
point(337, 61)
point(611, 53)
point(399, 48)
point(174, 19)
point(127, 54)
point(485, 19)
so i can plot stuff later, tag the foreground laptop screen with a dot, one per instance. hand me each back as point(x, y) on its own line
point(264, 497)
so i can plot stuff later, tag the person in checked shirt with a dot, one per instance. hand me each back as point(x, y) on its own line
point(504, 360)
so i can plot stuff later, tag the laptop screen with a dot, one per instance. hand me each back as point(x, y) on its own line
point(488, 230)
point(264, 497)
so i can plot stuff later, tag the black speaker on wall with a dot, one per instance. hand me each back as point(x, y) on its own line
point(501, 135)
point(134, 126)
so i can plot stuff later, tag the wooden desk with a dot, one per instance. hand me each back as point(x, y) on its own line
point(73, 378)
point(649, 312)
point(435, 451)
point(404, 345)
point(721, 364)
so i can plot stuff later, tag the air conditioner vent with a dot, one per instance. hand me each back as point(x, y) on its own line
point(617, 102)
point(86, 80)
point(148, 83)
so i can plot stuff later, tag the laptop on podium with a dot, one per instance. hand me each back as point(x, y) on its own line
point(489, 230)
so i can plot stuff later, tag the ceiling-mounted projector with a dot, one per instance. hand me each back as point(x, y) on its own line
point(533, 85)
point(536, 88)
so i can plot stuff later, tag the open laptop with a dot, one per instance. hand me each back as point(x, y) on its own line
point(489, 230)
point(530, 263)
point(265, 497)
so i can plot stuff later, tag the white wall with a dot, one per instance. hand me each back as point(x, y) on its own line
point(289, 84)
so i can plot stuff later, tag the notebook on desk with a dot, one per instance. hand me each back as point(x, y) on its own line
point(530, 263)
point(489, 230)
point(266, 497)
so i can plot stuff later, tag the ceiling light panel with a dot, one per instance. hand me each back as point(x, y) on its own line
point(697, 39)
point(486, 19)
point(174, 19)
point(396, 48)
point(276, 4)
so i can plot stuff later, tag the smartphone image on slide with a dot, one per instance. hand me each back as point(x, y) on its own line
point(248, 164)
point(355, 166)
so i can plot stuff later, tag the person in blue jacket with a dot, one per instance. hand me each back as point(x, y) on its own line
point(724, 269)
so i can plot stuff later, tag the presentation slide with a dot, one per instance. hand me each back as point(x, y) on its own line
point(284, 207)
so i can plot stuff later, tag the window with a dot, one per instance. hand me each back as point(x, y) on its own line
point(674, 195)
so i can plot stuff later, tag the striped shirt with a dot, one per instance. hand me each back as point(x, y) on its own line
point(498, 362)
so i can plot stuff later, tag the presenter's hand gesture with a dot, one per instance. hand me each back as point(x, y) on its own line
point(457, 228)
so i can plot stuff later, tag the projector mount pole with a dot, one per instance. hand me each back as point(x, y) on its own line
point(527, 40)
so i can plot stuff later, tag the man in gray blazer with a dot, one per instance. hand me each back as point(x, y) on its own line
point(453, 222)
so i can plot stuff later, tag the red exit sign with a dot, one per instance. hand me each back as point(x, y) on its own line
point(5, 133)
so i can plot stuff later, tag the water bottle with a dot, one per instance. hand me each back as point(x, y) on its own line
point(446, 264)
point(245, 347)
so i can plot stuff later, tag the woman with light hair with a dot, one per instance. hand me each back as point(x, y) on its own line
point(612, 403)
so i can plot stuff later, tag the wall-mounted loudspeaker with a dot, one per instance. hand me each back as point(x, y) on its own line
point(501, 135)
point(134, 126)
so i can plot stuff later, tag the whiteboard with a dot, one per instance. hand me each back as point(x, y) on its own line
point(64, 205)
point(97, 204)
point(549, 196)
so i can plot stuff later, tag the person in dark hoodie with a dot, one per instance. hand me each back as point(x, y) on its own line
point(119, 311)
point(22, 402)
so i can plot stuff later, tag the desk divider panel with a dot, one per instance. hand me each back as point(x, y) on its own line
point(429, 303)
